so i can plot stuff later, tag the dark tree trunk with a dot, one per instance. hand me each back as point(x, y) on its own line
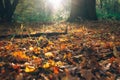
point(83, 10)
point(1, 10)
point(7, 10)
point(101, 4)
point(91, 10)
point(116, 7)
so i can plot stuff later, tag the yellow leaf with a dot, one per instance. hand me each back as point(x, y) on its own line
point(46, 49)
point(63, 39)
point(46, 65)
point(68, 55)
point(52, 62)
point(31, 48)
point(35, 49)
point(33, 32)
point(50, 42)
point(65, 56)
point(49, 54)
point(29, 69)
point(41, 38)
point(34, 57)
point(59, 63)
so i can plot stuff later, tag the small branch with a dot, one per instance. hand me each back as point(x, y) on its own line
point(32, 35)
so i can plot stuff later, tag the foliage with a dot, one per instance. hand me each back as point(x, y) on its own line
point(108, 9)
point(40, 10)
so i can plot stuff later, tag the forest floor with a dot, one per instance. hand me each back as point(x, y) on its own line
point(85, 51)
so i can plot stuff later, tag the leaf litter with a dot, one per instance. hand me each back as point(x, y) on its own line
point(89, 51)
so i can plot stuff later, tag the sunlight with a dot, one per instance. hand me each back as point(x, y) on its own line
point(56, 3)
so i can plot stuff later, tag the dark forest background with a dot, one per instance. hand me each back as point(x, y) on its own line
point(42, 11)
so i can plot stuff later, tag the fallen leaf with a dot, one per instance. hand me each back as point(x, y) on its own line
point(115, 52)
point(2, 71)
point(62, 46)
point(37, 61)
point(51, 62)
point(15, 66)
point(30, 69)
point(49, 54)
point(55, 70)
point(46, 65)
point(59, 63)
point(31, 48)
point(9, 47)
point(20, 55)
point(111, 60)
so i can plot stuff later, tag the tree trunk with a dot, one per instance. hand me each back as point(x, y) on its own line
point(115, 6)
point(101, 4)
point(83, 10)
point(7, 10)
point(1, 10)
point(91, 10)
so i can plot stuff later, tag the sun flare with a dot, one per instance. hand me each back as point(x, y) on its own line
point(56, 3)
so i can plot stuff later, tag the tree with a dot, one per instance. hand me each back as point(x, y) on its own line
point(83, 10)
point(7, 8)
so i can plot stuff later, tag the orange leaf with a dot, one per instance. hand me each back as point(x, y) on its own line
point(56, 70)
point(37, 61)
point(108, 45)
point(37, 49)
point(62, 46)
point(20, 55)
point(111, 60)
point(69, 55)
point(1, 43)
point(67, 72)
point(15, 66)
point(9, 47)
point(3, 71)
point(45, 50)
